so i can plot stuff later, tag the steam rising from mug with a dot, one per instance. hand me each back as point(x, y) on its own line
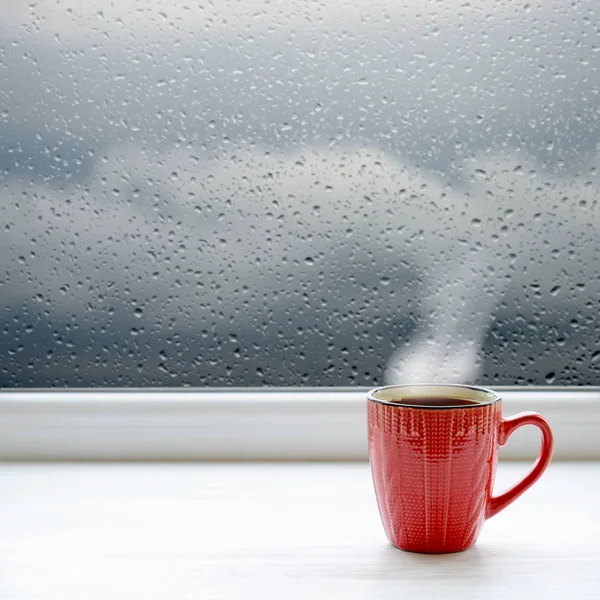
point(458, 308)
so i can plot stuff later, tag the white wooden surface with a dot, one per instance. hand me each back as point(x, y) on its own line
point(310, 531)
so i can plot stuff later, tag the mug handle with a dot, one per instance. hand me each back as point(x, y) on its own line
point(498, 503)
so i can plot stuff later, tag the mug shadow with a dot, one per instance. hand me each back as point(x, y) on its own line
point(475, 564)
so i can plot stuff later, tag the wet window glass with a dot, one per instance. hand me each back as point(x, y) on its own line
point(250, 193)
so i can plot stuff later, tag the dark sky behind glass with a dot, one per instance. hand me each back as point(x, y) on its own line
point(299, 194)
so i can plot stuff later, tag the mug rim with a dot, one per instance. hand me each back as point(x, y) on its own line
point(494, 397)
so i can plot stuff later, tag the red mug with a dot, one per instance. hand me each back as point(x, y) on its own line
point(433, 451)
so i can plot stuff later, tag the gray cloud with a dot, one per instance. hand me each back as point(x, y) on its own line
point(385, 75)
point(273, 174)
point(243, 248)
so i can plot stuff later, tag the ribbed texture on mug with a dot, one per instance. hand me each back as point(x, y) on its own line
point(433, 470)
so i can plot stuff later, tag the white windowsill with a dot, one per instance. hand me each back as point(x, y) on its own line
point(249, 424)
point(264, 529)
point(273, 530)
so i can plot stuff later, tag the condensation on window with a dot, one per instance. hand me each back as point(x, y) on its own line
point(290, 193)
